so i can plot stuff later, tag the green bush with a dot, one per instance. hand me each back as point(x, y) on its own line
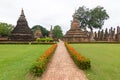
point(38, 39)
point(48, 39)
point(44, 40)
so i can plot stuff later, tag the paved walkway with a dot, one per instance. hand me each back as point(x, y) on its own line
point(62, 67)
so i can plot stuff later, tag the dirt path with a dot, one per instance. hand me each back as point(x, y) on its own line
point(62, 67)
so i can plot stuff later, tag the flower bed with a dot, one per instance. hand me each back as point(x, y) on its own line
point(41, 63)
point(81, 61)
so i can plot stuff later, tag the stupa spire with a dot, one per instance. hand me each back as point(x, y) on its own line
point(51, 35)
point(75, 23)
point(75, 14)
point(51, 28)
point(22, 12)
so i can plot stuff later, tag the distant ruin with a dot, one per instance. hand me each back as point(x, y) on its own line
point(108, 35)
point(38, 34)
point(51, 35)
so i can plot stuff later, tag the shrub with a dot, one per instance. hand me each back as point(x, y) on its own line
point(38, 39)
point(44, 39)
point(81, 61)
point(48, 39)
point(40, 64)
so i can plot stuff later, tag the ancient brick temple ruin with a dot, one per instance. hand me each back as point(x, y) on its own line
point(22, 31)
point(76, 34)
point(108, 35)
point(51, 35)
point(38, 34)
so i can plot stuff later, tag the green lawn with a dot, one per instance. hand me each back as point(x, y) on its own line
point(105, 60)
point(15, 60)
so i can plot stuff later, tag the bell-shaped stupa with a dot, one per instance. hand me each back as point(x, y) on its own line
point(75, 34)
point(22, 31)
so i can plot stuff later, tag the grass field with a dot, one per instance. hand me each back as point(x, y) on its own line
point(15, 60)
point(105, 60)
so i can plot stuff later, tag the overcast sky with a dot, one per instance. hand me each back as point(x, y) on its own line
point(55, 12)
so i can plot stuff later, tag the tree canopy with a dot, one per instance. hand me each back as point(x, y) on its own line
point(5, 29)
point(57, 31)
point(91, 18)
point(44, 31)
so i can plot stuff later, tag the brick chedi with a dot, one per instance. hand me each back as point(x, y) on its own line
point(75, 34)
point(38, 34)
point(22, 31)
point(51, 35)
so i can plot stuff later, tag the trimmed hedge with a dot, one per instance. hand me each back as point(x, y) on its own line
point(40, 64)
point(44, 40)
point(27, 43)
point(81, 61)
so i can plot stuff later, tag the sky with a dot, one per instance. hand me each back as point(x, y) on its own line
point(55, 12)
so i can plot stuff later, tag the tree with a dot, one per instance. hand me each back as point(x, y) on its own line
point(92, 18)
point(57, 31)
point(5, 29)
point(98, 16)
point(44, 31)
point(83, 16)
